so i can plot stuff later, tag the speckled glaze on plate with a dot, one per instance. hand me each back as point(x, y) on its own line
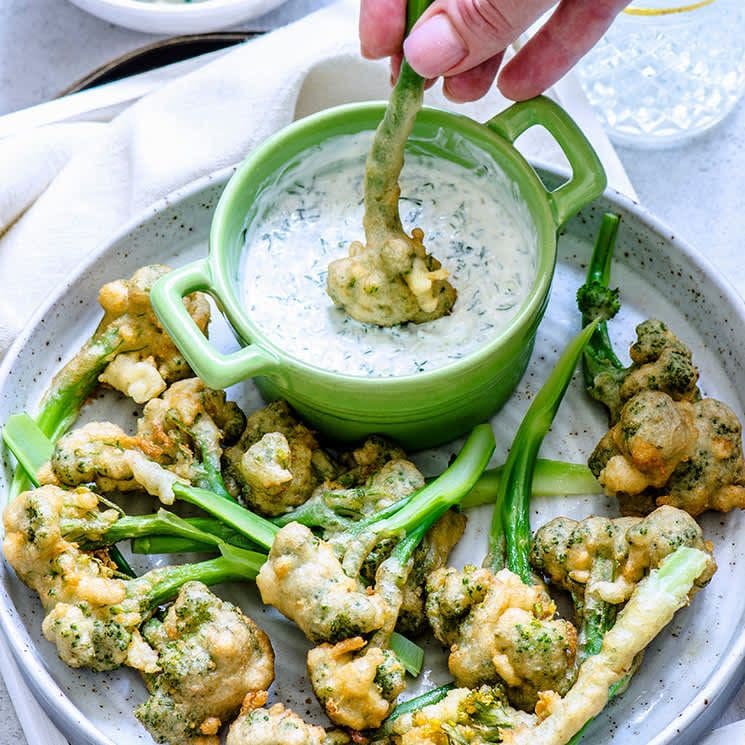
point(688, 673)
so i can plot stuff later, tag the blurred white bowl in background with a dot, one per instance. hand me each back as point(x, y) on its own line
point(176, 17)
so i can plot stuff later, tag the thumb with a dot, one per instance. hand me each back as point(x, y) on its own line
point(456, 35)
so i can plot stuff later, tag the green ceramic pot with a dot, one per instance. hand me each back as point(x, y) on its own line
point(420, 410)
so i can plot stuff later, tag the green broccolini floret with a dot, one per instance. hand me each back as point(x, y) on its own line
point(210, 656)
point(660, 361)
point(391, 279)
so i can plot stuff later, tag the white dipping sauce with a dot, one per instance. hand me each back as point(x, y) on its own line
point(474, 223)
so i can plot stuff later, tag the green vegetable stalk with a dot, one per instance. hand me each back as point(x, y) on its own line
point(652, 605)
point(386, 158)
point(509, 538)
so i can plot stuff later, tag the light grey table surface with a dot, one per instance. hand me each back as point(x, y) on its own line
point(697, 188)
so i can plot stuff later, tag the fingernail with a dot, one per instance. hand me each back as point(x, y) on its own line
point(434, 47)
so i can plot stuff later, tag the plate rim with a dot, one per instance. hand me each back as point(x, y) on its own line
point(701, 710)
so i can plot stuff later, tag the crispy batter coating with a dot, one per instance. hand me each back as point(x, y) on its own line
point(565, 550)
point(356, 683)
point(210, 657)
point(372, 477)
point(304, 580)
point(147, 360)
point(186, 428)
point(179, 438)
point(257, 468)
point(464, 716)
point(660, 362)
point(277, 726)
point(500, 629)
point(391, 281)
point(92, 616)
point(394, 480)
point(102, 453)
point(431, 554)
point(359, 464)
point(713, 478)
point(45, 559)
point(652, 436)
point(684, 454)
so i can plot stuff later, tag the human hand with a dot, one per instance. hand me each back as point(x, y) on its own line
point(464, 41)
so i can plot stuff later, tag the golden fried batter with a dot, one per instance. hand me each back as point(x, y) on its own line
point(660, 362)
point(356, 683)
point(662, 451)
point(566, 550)
point(210, 657)
point(147, 360)
point(275, 474)
point(500, 629)
point(304, 580)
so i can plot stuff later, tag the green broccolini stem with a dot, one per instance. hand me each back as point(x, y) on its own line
point(69, 390)
point(599, 354)
point(514, 488)
point(444, 492)
point(254, 527)
point(204, 437)
point(597, 615)
point(164, 543)
point(551, 478)
point(386, 159)
point(28, 443)
point(234, 565)
point(73, 384)
point(195, 533)
point(414, 704)
point(409, 654)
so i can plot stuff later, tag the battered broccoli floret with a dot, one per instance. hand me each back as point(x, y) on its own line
point(146, 360)
point(305, 581)
point(179, 438)
point(660, 362)
point(44, 559)
point(662, 451)
point(103, 454)
point(93, 615)
point(372, 478)
point(129, 351)
point(210, 656)
point(277, 463)
point(500, 629)
point(277, 726)
point(606, 558)
point(355, 682)
point(359, 464)
point(477, 716)
point(390, 279)
point(431, 555)
point(187, 428)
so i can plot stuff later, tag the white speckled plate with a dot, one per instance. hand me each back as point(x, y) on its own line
point(688, 673)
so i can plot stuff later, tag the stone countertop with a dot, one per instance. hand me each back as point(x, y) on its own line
point(696, 188)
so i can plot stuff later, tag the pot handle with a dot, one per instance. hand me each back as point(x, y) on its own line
point(216, 369)
point(588, 175)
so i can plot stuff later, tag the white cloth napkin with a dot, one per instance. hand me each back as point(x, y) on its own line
point(66, 188)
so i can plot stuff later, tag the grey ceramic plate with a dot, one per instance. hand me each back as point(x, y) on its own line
point(688, 673)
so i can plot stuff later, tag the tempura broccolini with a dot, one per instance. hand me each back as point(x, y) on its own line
point(391, 279)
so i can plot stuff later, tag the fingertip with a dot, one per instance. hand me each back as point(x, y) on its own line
point(381, 27)
point(473, 84)
point(518, 86)
point(396, 61)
